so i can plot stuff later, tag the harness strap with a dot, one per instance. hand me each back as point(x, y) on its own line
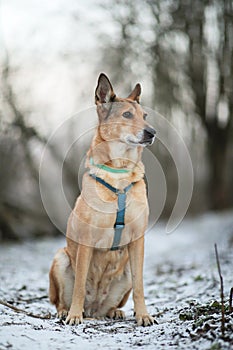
point(120, 217)
point(110, 169)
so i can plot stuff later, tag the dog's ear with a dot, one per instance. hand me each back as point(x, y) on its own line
point(104, 92)
point(135, 94)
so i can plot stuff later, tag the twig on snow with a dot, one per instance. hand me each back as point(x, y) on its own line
point(16, 309)
point(30, 300)
point(221, 291)
point(230, 300)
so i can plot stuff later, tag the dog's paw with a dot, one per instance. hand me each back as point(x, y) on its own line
point(62, 314)
point(116, 314)
point(74, 319)
point(145, 320)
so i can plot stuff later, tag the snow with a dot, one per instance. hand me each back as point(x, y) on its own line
point(180, 273)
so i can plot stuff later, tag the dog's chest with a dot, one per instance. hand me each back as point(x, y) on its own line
point(100, 203)
point(106, 267)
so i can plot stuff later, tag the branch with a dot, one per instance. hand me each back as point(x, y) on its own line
point(230, 300)
point(27, 132)
point(19, 122)
point(221, 291)
point(16, 309)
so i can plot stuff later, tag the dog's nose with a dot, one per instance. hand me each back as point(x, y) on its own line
point(149, 132)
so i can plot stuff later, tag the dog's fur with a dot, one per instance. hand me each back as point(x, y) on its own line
point(86, 277)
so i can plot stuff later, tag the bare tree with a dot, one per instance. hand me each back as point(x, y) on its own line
point(190, 59)
point(209, 67)
point(21, 212)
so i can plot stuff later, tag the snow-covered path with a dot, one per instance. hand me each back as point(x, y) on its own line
point(180, 277)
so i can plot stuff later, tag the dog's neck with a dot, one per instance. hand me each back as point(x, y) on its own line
point(117, 155)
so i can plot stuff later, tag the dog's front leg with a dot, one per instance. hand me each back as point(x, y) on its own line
point(136, 256)
point(83, 258)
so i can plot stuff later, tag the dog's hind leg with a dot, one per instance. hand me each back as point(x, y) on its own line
point(61, 284)
point(115, 312)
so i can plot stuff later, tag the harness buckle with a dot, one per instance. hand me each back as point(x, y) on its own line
point(119, 226)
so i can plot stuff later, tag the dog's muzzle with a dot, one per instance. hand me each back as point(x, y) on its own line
point(148, 136)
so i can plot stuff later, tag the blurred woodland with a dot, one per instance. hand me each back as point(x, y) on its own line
point(182, 53)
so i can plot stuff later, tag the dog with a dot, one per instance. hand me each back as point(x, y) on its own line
point(103, 261)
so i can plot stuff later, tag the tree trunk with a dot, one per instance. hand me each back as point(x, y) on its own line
point(219, 195)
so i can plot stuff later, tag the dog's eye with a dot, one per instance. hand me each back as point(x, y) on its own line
point(144, 116)
point(127, 115)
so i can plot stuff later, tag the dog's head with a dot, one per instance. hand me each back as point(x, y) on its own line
point(122, 119)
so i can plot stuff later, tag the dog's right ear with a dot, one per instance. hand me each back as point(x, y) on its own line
point(104, 92)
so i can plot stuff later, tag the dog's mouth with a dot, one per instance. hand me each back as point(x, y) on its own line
point(143, 138)
point(147, 142)
point(143, 142)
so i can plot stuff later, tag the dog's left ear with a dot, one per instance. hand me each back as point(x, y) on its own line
point(104, 92)
point(135, 94)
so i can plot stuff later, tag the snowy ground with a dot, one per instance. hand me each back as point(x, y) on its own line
point(181, 287)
